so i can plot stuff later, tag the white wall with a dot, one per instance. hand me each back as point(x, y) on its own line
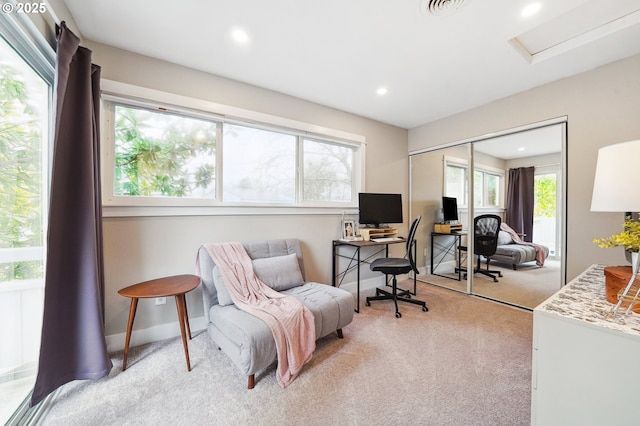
point(602, 107)
point(142, 248)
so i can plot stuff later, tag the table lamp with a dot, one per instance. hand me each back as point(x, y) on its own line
point(615, 189)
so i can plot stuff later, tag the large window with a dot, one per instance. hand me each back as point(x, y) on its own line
point(25, 89)
point(172, 156)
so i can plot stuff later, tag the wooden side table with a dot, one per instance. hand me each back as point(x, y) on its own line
point(178, 286)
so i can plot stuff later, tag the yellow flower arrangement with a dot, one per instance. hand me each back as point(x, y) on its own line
point(629, 238)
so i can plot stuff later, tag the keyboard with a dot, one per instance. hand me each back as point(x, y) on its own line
point(386, 239)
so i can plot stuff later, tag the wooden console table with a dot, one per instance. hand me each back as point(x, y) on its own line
point(178, 286)
point(584, 366)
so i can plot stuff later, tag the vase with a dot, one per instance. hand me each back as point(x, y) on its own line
point(616, 279)
point(627, 296)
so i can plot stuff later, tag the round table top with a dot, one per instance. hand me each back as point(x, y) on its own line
point(162, 287)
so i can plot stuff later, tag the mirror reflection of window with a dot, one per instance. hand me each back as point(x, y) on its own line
point(488, 183)
point(455, 183)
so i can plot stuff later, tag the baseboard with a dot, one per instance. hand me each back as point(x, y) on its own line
point(115, 342)
point(449, 263)
point(368, 284)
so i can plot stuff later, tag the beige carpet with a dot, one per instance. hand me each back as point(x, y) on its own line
point(465, 362)
point(528, 286)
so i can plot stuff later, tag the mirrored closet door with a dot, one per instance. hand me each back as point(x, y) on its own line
point(438, 249)
point(516, 176)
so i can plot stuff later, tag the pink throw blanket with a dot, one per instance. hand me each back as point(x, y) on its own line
point(292, 324)
point(540, 250)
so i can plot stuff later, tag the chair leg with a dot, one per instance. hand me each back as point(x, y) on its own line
point(394, 286)
point(403, 296)
point(251, 381)
point(487, 272)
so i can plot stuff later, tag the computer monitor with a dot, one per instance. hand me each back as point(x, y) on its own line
point(379, 210)
point(449, 209)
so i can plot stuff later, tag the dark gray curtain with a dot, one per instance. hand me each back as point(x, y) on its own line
point(520, 199)
point(73, 344)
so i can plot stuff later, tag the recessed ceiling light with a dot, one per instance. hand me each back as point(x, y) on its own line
point(382, 91)
point(531, 10)
point(521, 148)
point(240, 36)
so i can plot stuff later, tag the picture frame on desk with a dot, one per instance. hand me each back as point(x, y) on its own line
point(349, 230)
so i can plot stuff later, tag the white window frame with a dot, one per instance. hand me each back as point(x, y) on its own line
point(114, 92)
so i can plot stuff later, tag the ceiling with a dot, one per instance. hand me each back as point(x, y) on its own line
point(339, 52)
point(529, 143)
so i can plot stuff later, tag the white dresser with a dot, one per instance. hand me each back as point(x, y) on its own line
point(586, 370)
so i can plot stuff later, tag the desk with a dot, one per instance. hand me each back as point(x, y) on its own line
point(448, 246)
point(177, 286)
point(355, 261)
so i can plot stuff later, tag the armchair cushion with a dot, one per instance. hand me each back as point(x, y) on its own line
point(278, 272)
point(224, 298)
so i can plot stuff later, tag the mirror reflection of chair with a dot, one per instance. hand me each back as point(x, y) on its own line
point(485, 241)
point(396, 266)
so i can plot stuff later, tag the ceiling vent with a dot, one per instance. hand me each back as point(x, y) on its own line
point(441, 7)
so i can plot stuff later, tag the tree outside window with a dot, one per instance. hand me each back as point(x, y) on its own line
point(328, 171)
point(22, 131)
point(163, 155)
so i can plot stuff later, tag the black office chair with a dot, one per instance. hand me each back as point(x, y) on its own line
point(486, 228)
point(396, 266)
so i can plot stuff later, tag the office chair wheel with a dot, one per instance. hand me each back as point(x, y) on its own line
point(367, 303)
point(425, 309)
point(398, 315)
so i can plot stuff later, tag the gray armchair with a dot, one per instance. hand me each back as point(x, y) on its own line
point(247, 340)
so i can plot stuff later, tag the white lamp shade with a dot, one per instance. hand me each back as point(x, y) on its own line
point(616, 187)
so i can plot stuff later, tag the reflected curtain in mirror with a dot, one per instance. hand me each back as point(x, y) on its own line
point(520, 201)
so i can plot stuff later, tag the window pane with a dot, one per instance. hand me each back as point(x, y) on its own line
point(544, 211)
point(24, 122)
point(163, 155)
point(258, 165)
point(478, 188)
point(493, 190)
point(455, 184)
point(328, 171)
